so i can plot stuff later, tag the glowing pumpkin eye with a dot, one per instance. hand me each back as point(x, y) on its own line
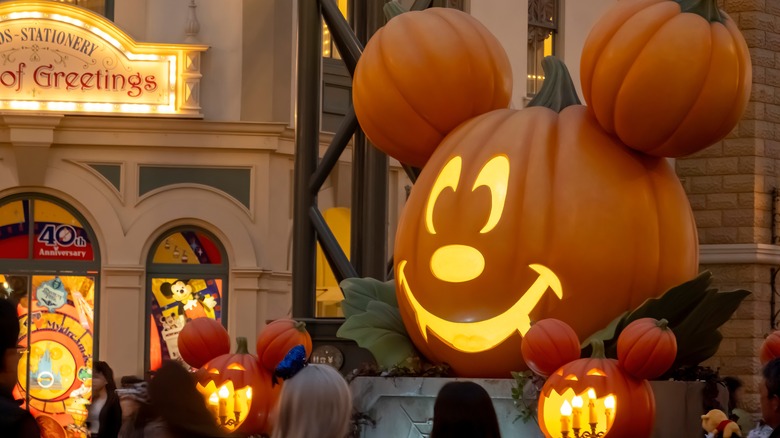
point(448, 177)
point(236, 366)
point(213, 371)
point(596, 372)
point(495, 176)
point(572, 377)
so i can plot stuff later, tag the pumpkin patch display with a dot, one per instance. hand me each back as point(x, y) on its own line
point(596, 395)
point(533, 214)
point(647, 348)
point(238, 391)
point(201, 340)
point(548, 345)
point(667, 77)
point(278, 338)
point(406, 89)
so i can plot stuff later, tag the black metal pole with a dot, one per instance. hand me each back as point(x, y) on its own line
point(375, 165)
point(359, 146)
point(338, 261)
point(307, 135)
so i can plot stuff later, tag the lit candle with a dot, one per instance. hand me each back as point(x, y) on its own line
point(609, 404)
point(213, 402)
point(592, 419)
point(576, 404)
point(223, 396)
point(249, 394)
point(236, 401)
point(565, 413)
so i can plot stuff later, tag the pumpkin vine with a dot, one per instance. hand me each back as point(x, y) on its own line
point(708, 9)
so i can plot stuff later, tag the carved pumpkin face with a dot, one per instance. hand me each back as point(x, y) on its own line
point(525, 215)
point(603, 393)
point(238, 392)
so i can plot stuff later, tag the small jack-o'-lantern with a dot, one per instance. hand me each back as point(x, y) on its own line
point(596, 395)
point(238, 391)
point(533, 214)
point(201, 340)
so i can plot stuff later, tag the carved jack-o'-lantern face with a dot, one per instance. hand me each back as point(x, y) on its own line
point(596, 394)
point(525, 215)
point(238, 391)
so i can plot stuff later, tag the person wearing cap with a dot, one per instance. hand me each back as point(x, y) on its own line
point(14, 421)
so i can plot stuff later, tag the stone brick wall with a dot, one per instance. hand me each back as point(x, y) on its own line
point(730, 185)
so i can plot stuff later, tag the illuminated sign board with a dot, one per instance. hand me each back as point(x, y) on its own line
point(65, 59)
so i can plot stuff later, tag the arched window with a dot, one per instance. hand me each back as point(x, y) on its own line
point(49, 262)
point(186, 279)
point(542, 35)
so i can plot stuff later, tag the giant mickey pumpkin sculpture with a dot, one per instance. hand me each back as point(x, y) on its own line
point(524, 215)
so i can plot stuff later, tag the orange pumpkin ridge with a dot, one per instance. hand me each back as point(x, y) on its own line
point(549, 344)
point(201, 340)
point(659, 96)
point(770, 348)
point(647, 348)
point(278, 338)
point(405, 94)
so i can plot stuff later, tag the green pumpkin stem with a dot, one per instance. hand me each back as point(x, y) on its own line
point(708, 9)
point(663, 324)
point(300, 326)
point(241, 346)
point(393, 9)
point(597, 347)
point(557, 90)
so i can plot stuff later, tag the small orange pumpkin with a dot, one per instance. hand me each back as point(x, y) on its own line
point(424, 73)
point(239, 392)
point(201, 340)
point(278, 338)
point(631, 411)
point(647, 348)
point(533, 214)
point(548, 345)
point(668, 77)
point(770, 349)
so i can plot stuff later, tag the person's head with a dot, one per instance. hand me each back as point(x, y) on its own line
point(315, 403)
point(176, 400)
point(464, 409)
point(770, 393)
point(132, 397)
point(103, 379)
point(129, 381)
point(735, 387)
point(9, 338)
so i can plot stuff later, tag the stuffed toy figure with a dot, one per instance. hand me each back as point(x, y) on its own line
point(718, 425)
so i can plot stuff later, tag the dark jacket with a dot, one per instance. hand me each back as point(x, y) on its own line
point(775, 433)
point(110, 418)
point(15, 421)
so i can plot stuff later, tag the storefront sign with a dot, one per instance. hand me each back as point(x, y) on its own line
point(61, 58)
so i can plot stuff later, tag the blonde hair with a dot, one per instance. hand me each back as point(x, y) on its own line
point(315, 403)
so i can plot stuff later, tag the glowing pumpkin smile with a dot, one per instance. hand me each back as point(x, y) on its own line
point(473, 337)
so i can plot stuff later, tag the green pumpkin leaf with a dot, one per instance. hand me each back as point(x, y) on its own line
point(694, 312)
point(697, 336)
point(607, 333)
point(381, 331)
point(359, 292)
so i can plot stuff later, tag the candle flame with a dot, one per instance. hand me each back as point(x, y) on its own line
point(566, 408)
point(249, 393)
point(591, 394)
point(609, 402)
point(576, 401)
point(224, 392)
point(213, 398)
